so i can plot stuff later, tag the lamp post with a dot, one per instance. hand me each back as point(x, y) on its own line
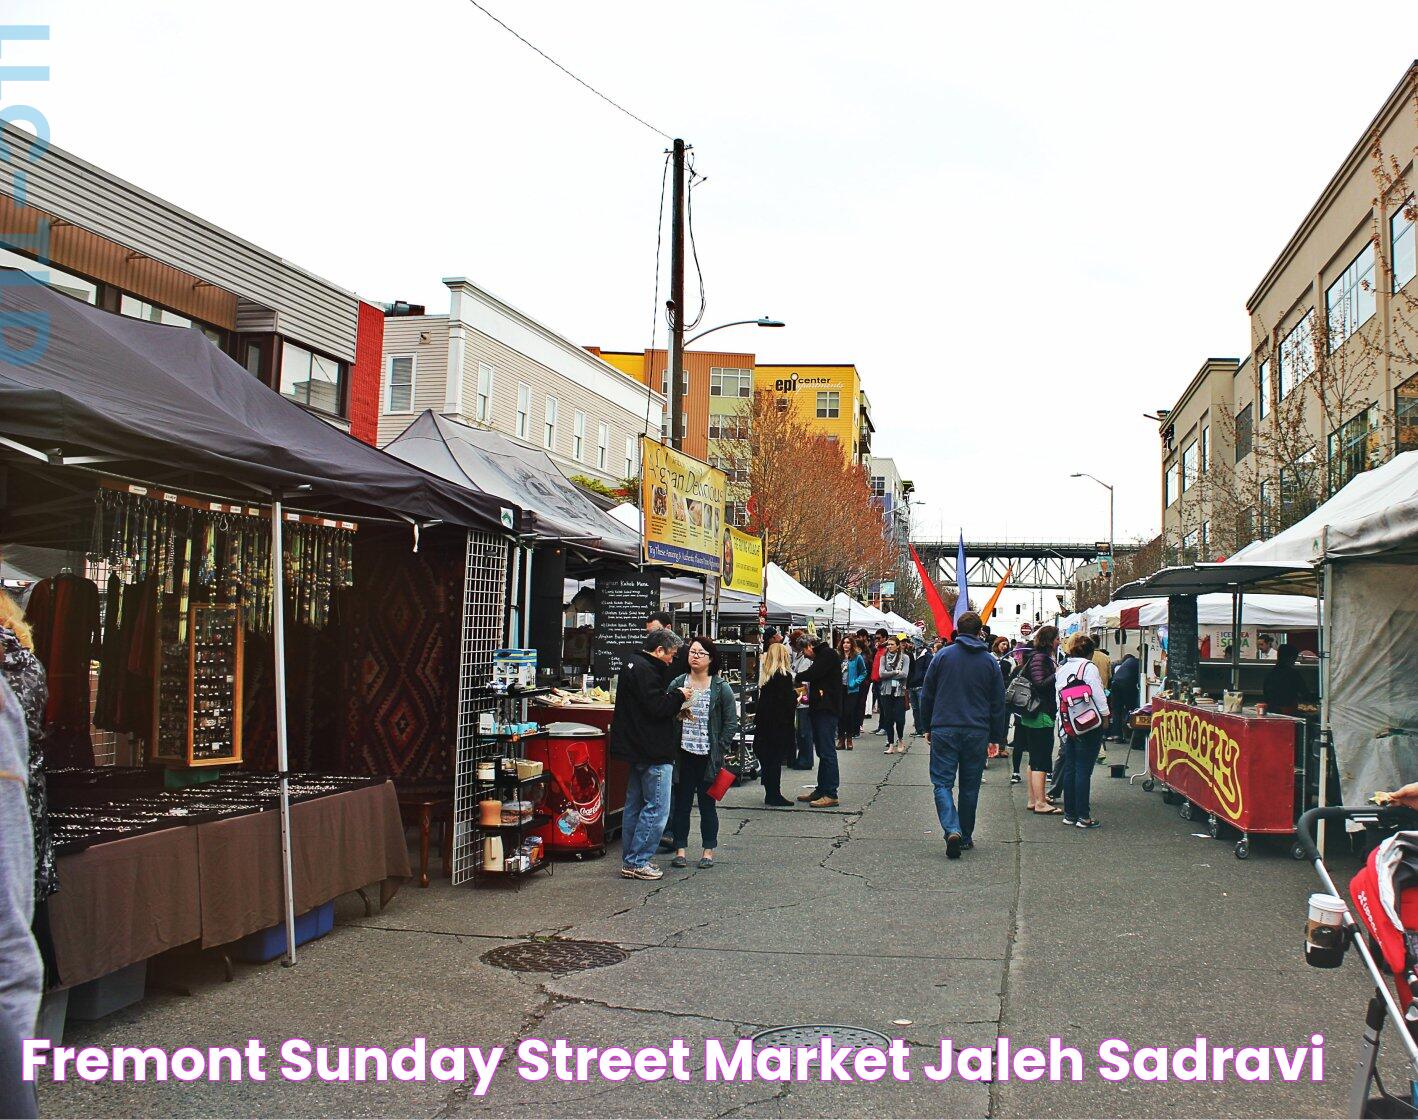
point(1112, 559)
point(676, 376)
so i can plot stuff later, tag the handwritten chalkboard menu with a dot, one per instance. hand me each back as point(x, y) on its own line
point(623, 602)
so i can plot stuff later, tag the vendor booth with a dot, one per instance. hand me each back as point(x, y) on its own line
point(249, 582)
point(1358, 548)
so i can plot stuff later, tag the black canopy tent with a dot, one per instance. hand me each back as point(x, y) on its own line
point(83, 389)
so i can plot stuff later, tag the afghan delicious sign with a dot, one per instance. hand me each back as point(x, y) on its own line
point(743, 562)
point(682, 502)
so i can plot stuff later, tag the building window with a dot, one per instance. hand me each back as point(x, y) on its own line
point(484, 393)
point(1188, 466)
point(728, 427)
point(549, 425)
point(1189, 547)
point(632, 447)
point(1263, 390)
point(136, 308)
point(312, 379)
point(578, 436)
point(878, 485)
point(829, 405)
point(1297, 355)
point(1264, 504)
point(1350, 300)
point(524, 409)
point(1405, 412)
point(86, 291)
point(1353, 447)
point(1297, 487)
point(1204, 442)
point(603, 443)
point(736, 514)
point(1245, 426)
point(399, 395)
point(1205, 543)
point(1245, 527)
point(1171, 483)
point(1400, 227)
point(730, 382)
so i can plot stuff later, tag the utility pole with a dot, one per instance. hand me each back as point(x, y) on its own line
point(676, 365)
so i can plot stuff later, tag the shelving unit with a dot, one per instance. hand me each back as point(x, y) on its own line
point(507, 787)
point(197, 686)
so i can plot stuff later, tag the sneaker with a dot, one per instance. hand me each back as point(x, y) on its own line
point(1015, 779)
point(1068, 820)
point(967, 846)
point(1087, 822)
point(952, 846)
point(649, 873)
point(823, 802)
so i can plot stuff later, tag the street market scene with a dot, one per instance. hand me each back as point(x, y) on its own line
point(463, 688)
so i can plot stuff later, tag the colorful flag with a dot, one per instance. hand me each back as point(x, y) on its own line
point(944, 626)
point(962, 586)
point(990, 606)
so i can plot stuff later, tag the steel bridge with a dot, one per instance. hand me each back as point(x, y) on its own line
point(1038, 565)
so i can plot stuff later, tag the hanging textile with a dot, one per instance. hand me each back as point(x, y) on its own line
point(63, 614)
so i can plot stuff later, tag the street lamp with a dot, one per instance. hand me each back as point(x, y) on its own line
point(1112, 558)
point(761, 321)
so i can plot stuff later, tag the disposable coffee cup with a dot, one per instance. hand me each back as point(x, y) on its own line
point(1324, 931)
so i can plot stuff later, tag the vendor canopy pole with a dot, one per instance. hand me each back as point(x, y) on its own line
point(278, 630)
point(1325, 608)
point(1236, 641)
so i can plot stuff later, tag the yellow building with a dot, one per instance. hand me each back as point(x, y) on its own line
point(827, 399)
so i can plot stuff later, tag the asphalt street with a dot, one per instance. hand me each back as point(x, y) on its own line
point(1145, 930)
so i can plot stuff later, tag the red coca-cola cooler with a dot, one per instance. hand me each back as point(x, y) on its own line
point(573, 758)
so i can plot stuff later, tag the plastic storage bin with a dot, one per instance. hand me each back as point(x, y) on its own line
point(268, 944)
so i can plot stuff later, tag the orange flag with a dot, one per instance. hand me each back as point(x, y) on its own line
point(990, 606)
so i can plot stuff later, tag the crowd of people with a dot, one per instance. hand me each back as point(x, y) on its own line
point(1048, 705)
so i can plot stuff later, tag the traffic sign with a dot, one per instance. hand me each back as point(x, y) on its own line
point(1025, 629)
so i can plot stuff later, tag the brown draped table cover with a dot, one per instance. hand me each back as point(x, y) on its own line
point(128, 900)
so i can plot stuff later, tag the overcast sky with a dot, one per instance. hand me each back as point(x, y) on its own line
point(1027, 224)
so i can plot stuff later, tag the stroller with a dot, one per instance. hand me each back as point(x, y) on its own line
point(1385, 899)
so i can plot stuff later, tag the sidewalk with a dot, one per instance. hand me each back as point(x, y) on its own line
point(1139, 930)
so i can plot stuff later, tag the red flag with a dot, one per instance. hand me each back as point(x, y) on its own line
point(943, 624)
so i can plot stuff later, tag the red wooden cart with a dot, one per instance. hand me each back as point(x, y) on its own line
point(1240, 770)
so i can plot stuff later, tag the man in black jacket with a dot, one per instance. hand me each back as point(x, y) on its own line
point(645, 733)
point(824, 705)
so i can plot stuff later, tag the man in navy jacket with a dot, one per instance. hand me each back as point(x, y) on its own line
point(963, 698)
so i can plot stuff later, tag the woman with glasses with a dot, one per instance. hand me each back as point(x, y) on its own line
point(710, 718)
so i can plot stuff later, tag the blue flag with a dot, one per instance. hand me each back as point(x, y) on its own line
point(962, 585)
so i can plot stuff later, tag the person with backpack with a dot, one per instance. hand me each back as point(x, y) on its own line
point(1033, 684)
point(1082, 704)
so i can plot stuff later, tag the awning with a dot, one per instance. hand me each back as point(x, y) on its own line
point(164, 405)
point(1199, 579)
point(489, 462)
point(1274, 612)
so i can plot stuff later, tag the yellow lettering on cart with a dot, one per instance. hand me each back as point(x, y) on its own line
point(1186, 739)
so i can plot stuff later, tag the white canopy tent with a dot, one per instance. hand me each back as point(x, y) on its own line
point(899, 625)
point(846, 611)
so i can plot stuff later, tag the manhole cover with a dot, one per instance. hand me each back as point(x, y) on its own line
point(554, 956)
point(811, 1035)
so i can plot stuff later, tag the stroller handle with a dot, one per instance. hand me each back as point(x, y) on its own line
point(1305, 827)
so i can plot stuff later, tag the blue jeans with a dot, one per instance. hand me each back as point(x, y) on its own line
point(958, 750)
point(1079, 757)
point(804, 730)
point(647, 808)
point(824, 738)
point(918, 717)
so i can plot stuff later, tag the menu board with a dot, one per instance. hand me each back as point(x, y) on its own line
point(623, 602)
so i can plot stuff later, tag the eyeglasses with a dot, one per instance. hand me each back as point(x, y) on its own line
point(698, 653)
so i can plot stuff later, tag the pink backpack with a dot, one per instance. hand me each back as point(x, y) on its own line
point(1078, 710)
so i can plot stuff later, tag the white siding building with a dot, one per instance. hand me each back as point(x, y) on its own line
point(519, 377)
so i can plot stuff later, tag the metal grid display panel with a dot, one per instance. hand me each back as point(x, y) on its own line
point(484, 607)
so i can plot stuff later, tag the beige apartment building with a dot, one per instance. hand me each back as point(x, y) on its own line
point(519, 377)
point(1329, 387)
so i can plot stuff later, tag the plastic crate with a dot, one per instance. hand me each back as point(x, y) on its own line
point(268, 944)
point(107, 994)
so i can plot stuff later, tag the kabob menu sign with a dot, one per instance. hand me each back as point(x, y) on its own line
point(682, 501)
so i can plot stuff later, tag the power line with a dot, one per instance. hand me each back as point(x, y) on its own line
point(528, 43)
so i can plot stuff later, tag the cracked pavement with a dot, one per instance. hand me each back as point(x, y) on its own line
point(1141, 930)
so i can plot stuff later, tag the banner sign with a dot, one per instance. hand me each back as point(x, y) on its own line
point(682, 507)
point(743, 562)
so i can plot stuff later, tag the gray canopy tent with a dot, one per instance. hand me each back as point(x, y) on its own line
point(86, 390)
